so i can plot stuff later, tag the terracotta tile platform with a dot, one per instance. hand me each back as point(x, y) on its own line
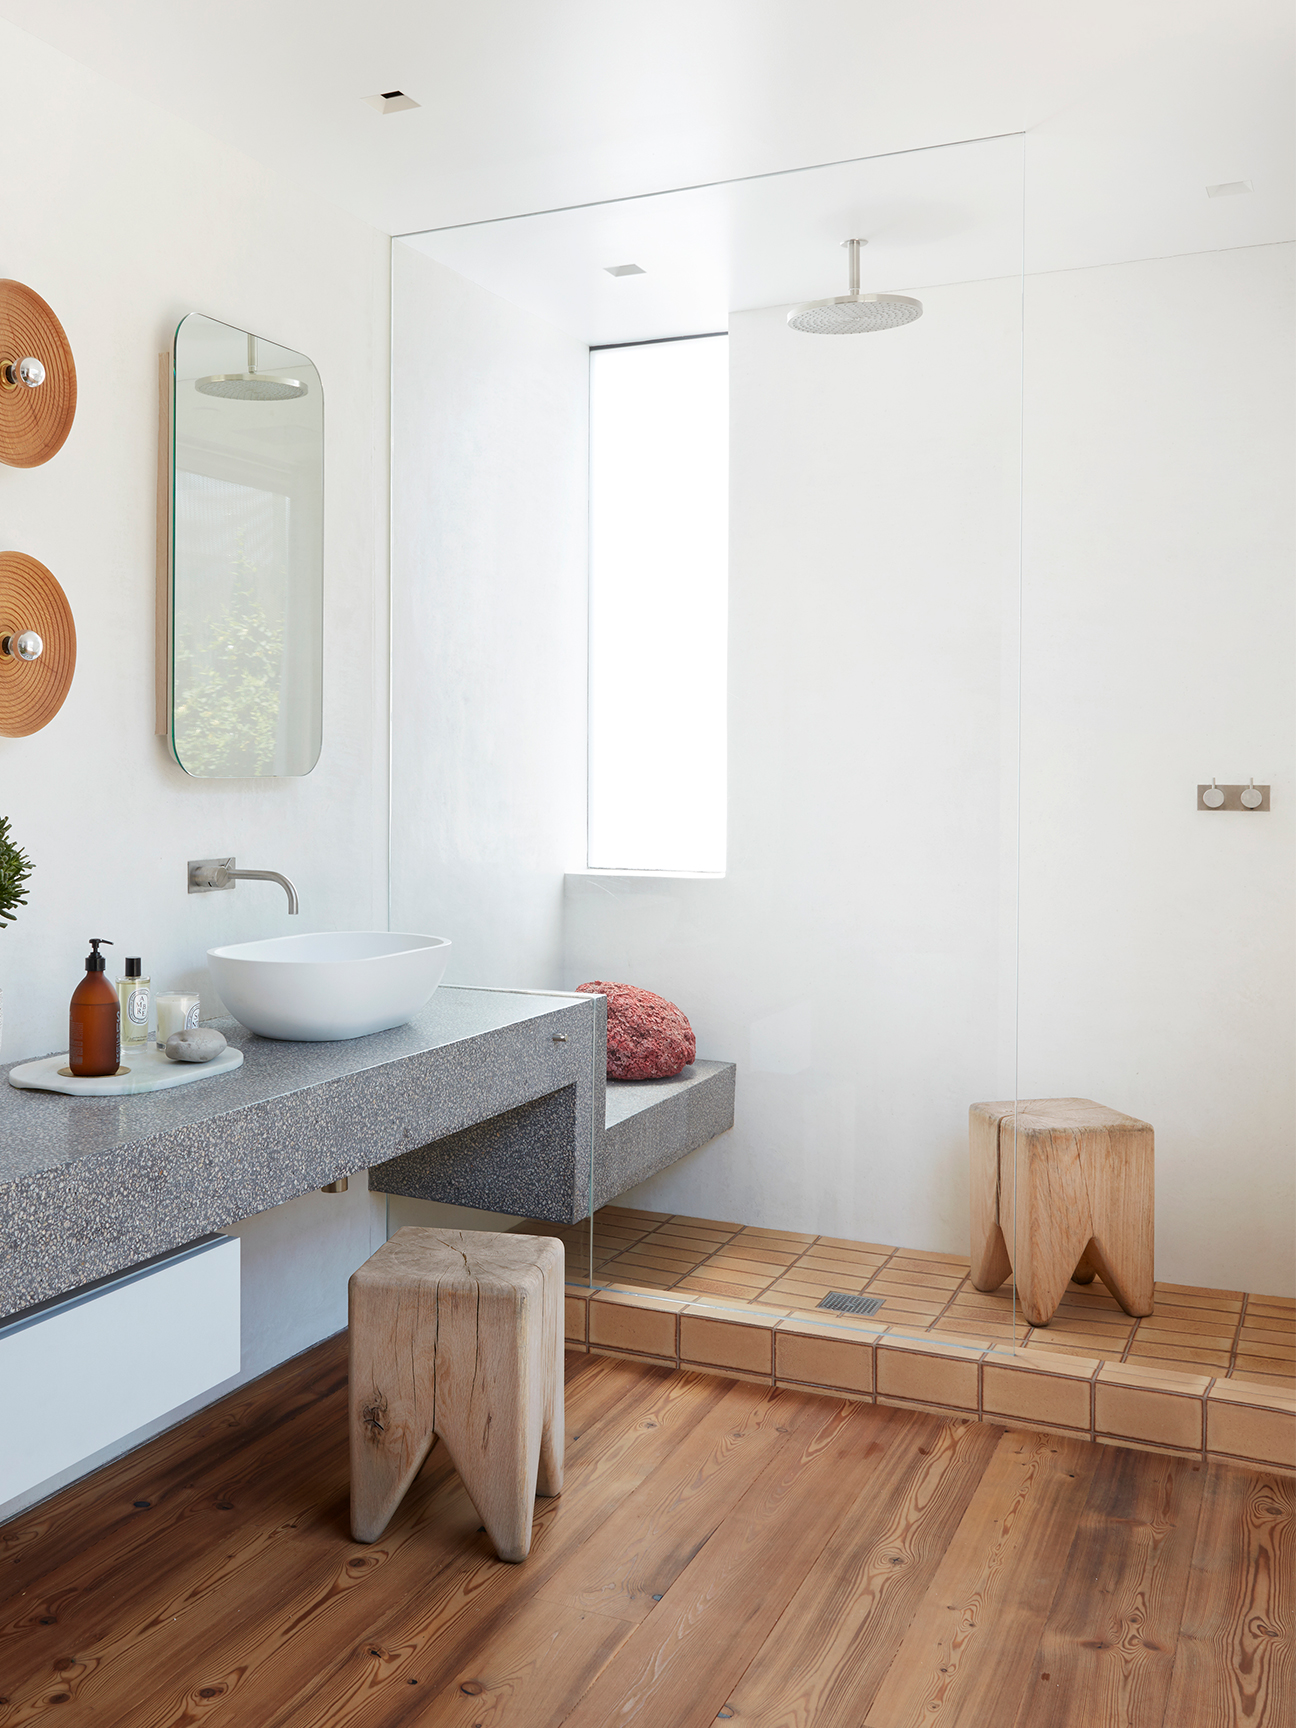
point(1211, 1373)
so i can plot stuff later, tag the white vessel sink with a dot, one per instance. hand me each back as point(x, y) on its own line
point(337, 984)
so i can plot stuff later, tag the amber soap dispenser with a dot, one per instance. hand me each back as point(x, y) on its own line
point(94, 1022)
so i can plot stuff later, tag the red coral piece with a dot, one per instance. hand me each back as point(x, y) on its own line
point(648, 1038)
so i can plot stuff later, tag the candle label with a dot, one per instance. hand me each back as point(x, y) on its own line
point(191, 1018)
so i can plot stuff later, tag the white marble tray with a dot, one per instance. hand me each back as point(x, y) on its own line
point(147, 1071)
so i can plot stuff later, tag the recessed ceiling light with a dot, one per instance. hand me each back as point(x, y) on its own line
point(391, 101)
point(1229, 189)
point(625, 269)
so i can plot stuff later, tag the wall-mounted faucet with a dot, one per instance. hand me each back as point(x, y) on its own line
point(211, 875)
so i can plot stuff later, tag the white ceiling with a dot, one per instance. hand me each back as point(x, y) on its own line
point(1118, 173)
point(529, 104)
point(930, 216)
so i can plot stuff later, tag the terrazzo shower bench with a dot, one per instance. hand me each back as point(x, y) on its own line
point(488, 1098)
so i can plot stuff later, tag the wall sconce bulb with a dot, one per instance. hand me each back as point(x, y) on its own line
point(28, 371)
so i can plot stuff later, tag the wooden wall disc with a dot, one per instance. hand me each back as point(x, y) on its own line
point(32, 691)
point(33, 423)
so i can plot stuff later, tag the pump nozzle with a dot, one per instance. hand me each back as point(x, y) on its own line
point(95, 960)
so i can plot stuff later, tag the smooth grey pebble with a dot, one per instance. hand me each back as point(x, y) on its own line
point(201, 1044)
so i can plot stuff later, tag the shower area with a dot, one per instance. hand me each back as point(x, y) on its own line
point(1007, 596)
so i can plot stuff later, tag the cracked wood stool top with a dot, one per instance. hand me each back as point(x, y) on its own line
point(1080, 1192)
point(457, 1335)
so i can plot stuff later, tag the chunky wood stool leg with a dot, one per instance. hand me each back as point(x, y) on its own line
point(549, 1477)
point(457, 1335)
point(1045, 1195)
point(991, 1262)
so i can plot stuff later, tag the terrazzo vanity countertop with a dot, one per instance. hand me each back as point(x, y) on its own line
point(90, 1186)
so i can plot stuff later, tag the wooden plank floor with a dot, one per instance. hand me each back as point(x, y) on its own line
point(723, 1552)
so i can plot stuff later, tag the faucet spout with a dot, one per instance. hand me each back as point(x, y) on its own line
point(211, 875)
point(267, 876)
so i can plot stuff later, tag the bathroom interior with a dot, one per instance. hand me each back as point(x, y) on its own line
point(450, 531)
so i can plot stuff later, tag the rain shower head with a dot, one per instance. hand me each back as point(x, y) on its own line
point(250, 386)
point(854, 314)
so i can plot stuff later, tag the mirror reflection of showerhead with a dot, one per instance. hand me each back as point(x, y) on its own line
point(250, 386)
point(854, 314)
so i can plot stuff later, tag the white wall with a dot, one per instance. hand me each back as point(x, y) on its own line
point(857, 961)
point(490, 432)
point(125, 219)
point(1158, 634)
point(850, 961)
point(136, 219)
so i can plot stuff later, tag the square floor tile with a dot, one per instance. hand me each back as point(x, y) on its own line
point(622, 1325)
point(1028, 1394)
point(727, 1343)
point(1265, 1436)
point(931, 1375)
point(820, 1358)
point(1156, 1414)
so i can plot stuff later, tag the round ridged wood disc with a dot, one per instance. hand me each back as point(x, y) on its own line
point(32, 691)
point(33, 423)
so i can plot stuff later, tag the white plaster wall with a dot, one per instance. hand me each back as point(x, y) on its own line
point(857, 962)
point(850, 961)
point(125, 219)
point(1158, 633)
point(136, 219)
point(490, 438)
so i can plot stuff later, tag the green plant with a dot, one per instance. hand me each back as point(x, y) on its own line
point(228, 682)
point(15, 868)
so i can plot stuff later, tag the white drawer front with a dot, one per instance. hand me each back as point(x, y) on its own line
point(83, 1374)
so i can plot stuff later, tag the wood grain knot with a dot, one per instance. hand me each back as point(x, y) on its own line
point(372, 1417)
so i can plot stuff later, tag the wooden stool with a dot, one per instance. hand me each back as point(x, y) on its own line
point(457, 1335)
point(1083, 1202)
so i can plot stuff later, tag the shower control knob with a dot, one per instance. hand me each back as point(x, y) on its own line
point(1214, 798)
point(1253, 797)
point(28, 371)
point(28, 646)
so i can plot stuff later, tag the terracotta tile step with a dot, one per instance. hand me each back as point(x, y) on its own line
point(714, 1286)
point(868, 1247)
point(1267, 1343)
point(1215, 1359)
point(1246, 1359)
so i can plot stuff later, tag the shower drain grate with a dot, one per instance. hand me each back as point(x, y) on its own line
point(845, 1303)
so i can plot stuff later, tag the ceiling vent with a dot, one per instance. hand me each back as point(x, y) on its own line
point(391, 101)
point(625, 269)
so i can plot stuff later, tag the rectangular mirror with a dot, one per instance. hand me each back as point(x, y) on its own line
point(246, 555)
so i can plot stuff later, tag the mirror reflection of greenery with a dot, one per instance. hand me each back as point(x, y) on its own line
point(227, 684)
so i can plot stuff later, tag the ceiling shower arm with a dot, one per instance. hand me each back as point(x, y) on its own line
point(852, 253)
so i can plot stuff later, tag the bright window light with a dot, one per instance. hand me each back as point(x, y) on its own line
point(659, 548)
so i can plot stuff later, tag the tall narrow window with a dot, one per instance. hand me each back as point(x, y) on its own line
point(659, 530)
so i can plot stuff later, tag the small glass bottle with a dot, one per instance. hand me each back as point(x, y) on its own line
point(133, 994)
point(94, 1020)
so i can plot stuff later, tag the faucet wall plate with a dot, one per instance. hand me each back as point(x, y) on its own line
point(205, 875)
